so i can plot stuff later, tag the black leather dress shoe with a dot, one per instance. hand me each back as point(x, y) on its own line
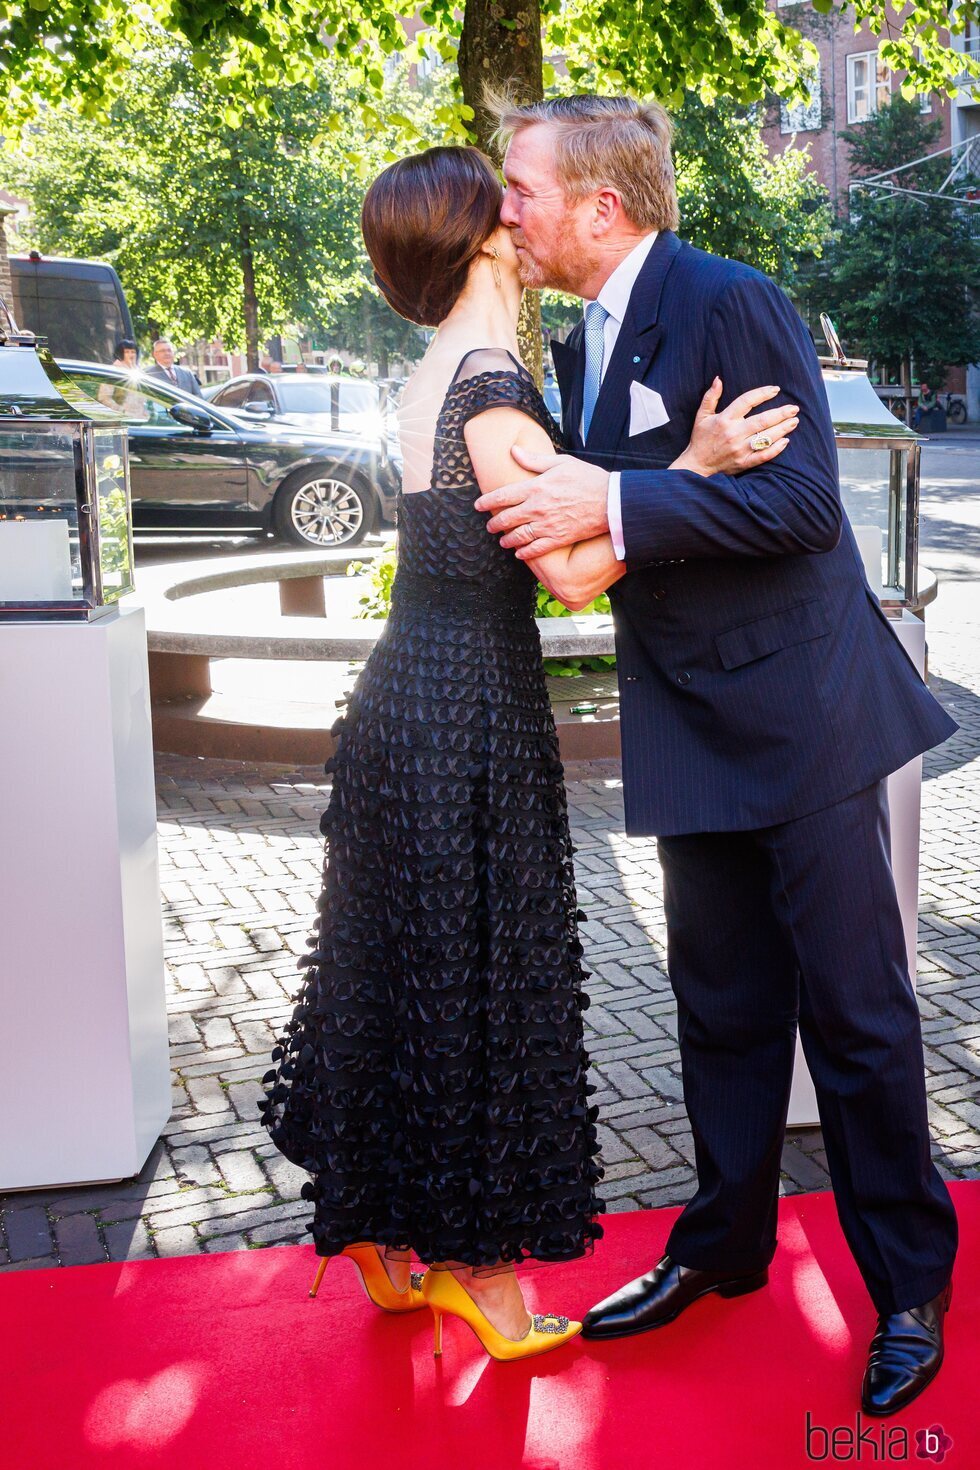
point(906, 1354)
point(661, 1295)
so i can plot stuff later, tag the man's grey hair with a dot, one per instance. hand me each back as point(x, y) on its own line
point(162, 342)
point(603, 142)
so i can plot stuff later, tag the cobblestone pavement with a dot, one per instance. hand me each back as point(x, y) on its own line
point(240, 856)
point(240, 859)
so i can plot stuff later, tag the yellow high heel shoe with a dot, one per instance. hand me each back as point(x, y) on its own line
point(446, 1298)
point(378, 1286)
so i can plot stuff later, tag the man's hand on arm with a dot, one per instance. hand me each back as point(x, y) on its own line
point(566, 502)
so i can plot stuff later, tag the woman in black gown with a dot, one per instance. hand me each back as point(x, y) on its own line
point(432, 1079)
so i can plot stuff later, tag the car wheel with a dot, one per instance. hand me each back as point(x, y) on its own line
point(322, 510)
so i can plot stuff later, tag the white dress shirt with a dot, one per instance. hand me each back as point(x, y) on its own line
point(614, 298)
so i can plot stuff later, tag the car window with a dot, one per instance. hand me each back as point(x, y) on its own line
point(128, 395)
point(358, 398)
point(260, 393)
point(298, 396)
point(232, 397)
point(336, 396)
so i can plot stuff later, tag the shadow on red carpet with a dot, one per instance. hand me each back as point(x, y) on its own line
point(224, 1362)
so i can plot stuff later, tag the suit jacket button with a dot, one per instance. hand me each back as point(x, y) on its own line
point(659, 592)
point(683, 678)
point(631, 678)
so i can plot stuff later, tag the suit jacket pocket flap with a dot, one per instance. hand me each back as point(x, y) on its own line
point(766, 635)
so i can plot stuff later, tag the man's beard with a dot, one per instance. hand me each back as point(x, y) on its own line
point(568, 265)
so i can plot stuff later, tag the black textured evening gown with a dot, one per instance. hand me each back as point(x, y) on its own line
point(432, 1079)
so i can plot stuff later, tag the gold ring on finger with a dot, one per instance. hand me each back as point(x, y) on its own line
point(760, 441)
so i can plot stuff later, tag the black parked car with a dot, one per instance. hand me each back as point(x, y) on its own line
point(197, 465)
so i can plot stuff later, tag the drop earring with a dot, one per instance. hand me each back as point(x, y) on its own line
point(494, 257)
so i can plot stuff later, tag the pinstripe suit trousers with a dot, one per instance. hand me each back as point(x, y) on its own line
point(799, 924)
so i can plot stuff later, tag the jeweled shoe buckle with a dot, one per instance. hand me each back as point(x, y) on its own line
point(549, 1322)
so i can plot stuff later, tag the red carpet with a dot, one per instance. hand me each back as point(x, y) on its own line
point(224, 1362)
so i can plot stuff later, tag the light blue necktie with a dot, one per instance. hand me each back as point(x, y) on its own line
point(595, 321)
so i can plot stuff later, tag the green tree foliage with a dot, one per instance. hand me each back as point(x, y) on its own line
point(363, 323)
point(219, 223)
point(737, 200)
point(52, 50)
point(902, 273)
point(77, 50)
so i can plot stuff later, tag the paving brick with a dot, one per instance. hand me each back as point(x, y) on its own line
point(176, 1240)
point(250, 1215)
point(196, 1165)
point(241, 1172)
point(218, 1032)
point(78, 1240)
point(27, 1232)
point(207, 1095)
point(650, 1145)
point(129, 1240)
point(623, 1078)
point(804, 1169)
point(245, 1098)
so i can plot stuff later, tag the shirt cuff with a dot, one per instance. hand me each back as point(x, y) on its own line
point(614, 511)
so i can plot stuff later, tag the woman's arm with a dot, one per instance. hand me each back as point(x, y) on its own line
point(575, 574)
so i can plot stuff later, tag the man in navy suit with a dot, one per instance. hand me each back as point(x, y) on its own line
point(764, 700)
point(165, 368)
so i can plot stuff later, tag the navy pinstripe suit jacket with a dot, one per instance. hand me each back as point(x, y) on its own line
point(759, 679)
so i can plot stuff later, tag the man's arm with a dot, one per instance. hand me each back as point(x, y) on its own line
point(574, 574)
point(570, 499)
point(788, 506)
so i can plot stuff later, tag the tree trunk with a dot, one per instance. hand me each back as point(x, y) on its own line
point(500, 46)
point(250, 304)
point(367, 335)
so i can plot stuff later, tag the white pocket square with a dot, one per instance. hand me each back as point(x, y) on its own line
point(647, 409)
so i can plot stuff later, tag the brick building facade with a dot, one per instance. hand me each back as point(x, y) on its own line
point(848, 87)
point(6, 287)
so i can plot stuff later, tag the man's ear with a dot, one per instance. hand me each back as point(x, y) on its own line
point(607, 208)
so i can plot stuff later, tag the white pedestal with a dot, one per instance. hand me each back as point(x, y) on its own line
point(904, 801)
point(83, 1037)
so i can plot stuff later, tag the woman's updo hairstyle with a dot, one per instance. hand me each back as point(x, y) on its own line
point(424, 220)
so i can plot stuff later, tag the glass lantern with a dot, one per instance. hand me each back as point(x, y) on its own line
point(66, 524)
point(878, 458)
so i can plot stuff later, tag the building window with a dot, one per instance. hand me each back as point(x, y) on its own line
point(803, 117)
point(428, 62)
point(869, 85)
point(925, 98)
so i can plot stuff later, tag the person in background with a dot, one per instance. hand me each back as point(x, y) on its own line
point(334, 364)
point(117, 395)
point(166, 368)
point(929, 415)
point(127, 353)
point(269, 365)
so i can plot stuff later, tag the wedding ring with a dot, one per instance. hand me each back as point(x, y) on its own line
point(760, 441)
point(530, 533)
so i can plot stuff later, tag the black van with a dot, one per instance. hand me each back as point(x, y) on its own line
point(77, 304)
